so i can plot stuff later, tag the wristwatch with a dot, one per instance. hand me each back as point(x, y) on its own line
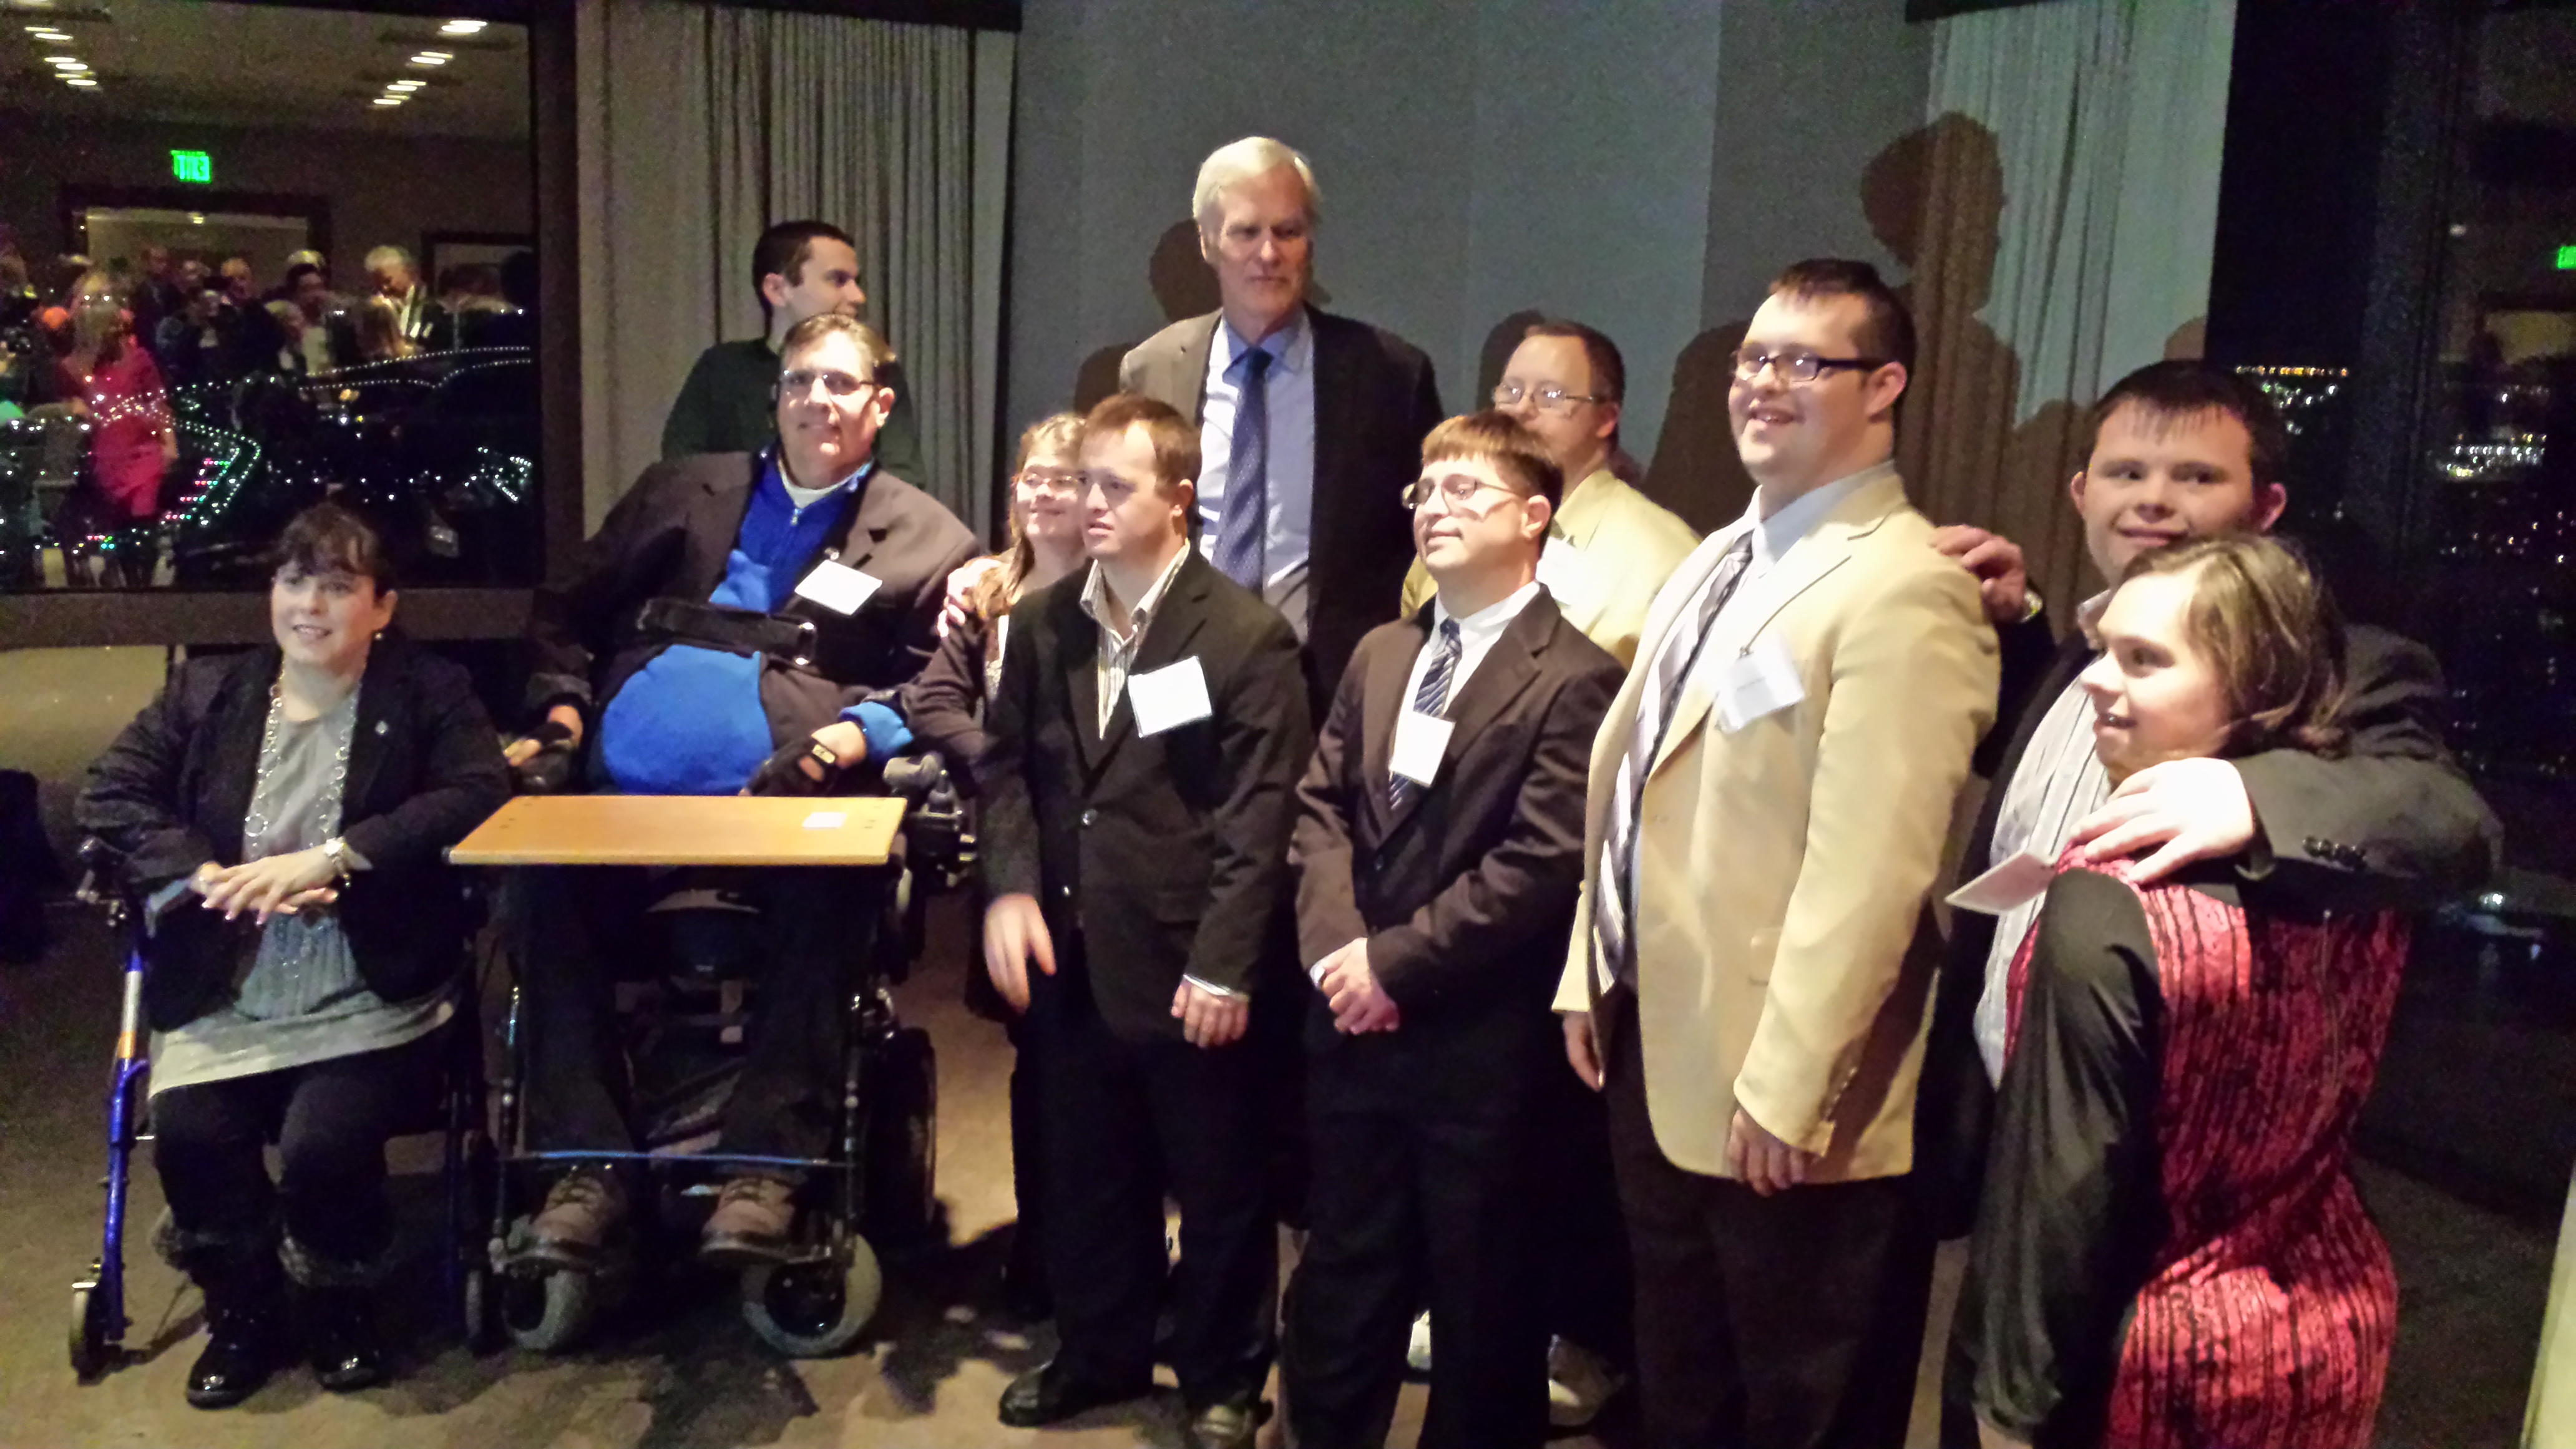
point(336, 851)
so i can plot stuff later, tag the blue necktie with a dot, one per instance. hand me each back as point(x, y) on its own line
point(1246, 522)
point(1430, 699)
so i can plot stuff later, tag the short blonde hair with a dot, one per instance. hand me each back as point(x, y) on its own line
point(1498, 439)
point(1239, 161)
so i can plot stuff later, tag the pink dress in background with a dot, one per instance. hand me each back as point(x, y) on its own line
point(128, 412)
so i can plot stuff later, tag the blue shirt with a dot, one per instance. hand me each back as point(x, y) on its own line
point(1289, 392)
point(691, 722)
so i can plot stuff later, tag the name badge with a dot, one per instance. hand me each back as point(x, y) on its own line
point(1169, 697)
point(838, 587)
point(1559, 566)
point(1761, 682)
point(1420, 740)
point(2018, 881)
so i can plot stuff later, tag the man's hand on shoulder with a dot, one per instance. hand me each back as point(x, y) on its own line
point(2189, 810)
point(2003, 582)
point(961, 587)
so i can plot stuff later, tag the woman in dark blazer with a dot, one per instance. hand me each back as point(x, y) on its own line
point(2169, 1253)
point(285, 813)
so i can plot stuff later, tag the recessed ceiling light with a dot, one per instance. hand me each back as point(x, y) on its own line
point(433, 57)
point(463, 27)
point(389, 100)
point(196, 218)
point(67, 62)
point(48, 33)
point(82, 81)
point(405, 86)
point(75, 68)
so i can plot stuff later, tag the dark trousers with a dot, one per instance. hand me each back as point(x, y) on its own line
point(1584, 1286)
point(1124, 1119)
point(331, 1121)
point(1418, 1195)
point(577, 922)
point(1788, 1322)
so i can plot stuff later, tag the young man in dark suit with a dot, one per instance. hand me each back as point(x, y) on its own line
point(725, 630)
point(1439, 849)
point(1144, 746)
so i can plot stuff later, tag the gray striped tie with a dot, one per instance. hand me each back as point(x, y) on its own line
point(1430, 699)
point(1613, 914)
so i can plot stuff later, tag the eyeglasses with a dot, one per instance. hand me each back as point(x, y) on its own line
point(1051, 480)
point(1454, 489)
point(1546, 397)
point(799, 382)
point(1795, 366)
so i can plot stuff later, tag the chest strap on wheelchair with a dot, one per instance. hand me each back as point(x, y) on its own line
point(734, 631)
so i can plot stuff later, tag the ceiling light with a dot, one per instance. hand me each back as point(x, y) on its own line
point(433, 57)
point(47, 32)
point(405, 86)
point(389, 100)
point(82, 81)
point(67, 62)
point(196, 218)
point(463, 27)
point(75, 68)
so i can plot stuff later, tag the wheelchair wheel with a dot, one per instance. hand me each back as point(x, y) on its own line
point(93, 1335)
point(547, 1312)
point(479, 1307)
point(813, 1310)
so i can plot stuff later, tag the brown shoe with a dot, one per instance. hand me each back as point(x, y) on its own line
point(750, 1224)
point(582, 1210)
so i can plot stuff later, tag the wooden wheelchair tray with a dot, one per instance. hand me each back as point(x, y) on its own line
point(835, 830)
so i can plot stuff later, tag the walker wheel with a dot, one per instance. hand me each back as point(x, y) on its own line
point(95, 1336)
point(813, 1310)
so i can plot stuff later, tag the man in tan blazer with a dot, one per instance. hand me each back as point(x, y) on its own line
point(1610, 547)
point(1752, 957)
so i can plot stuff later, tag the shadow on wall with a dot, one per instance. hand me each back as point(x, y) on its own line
point(1183, 286)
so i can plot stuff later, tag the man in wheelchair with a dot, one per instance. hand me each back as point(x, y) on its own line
point(721, 635)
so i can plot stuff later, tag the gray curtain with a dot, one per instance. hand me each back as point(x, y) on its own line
point(710, 123)
point(2073, 152)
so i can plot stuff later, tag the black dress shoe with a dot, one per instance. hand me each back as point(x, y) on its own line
point(341, 1341)
point(1047, 1395)
point(1227, 1426)
point(242, 1342)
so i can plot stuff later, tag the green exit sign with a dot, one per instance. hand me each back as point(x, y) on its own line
point(2567, 258)
point(194, 166)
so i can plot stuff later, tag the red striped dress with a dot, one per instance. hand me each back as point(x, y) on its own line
point(2271, 1304)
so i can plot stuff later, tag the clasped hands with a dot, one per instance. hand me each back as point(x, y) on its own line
point(273, 885)
point(1015, 934)
point(1360, 1004)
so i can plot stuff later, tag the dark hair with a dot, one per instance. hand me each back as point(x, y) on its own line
point(1496, 437)
point(1175, 440)
point(872, 344)
point(782, 250)
point(1600, 354)
point(327, 538)
point(1887, 333)
point(2184, 388)
point(2270, 630)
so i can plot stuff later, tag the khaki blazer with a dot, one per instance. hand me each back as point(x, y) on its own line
point(1785, 951)
point(1620, 546)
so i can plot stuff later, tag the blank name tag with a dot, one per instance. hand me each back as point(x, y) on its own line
point(1420, 740)
point(1560, 566)
point(827, 819)
point(2018, 881)
point(838, 587)
point(1760, 682)
point(1169, 697)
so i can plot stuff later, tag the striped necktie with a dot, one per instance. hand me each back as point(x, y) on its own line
point(1430, 699)
point(1613, 912)
point(1245, 525)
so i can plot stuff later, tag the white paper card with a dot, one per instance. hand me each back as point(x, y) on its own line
point(1169, 697)
point(827, 819)
point(2017, 881)
point(1420, 740)
point(838, 587)
point(1560, 565)
point(1761, 681)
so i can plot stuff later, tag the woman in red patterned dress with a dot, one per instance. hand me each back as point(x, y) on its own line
point(2169, 1253)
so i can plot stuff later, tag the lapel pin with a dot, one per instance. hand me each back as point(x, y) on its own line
point(380, 727)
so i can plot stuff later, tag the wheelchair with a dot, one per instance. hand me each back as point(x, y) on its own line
point(681, 1019)
point(99, 1320)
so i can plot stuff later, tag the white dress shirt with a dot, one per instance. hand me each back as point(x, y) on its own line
point(1289, 480)
point(1117, 655)
point(1476, 635)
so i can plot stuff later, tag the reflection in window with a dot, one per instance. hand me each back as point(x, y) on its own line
point(228, 291)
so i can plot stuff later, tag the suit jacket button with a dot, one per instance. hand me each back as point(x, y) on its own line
point(1090, 818)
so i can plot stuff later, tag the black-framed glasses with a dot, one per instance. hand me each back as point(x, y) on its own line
point(1795, 365)
point(1547, 397)
point(1453, 490)
point(799, 381)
